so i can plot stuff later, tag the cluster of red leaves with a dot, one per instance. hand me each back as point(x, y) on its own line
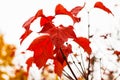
point(48, 46)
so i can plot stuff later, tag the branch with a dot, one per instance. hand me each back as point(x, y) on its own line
point(87, 77)
point(81, 72)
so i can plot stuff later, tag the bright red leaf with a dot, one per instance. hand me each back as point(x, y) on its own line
point(58, 68)
point(117, 52)
point(27, 24)
point(39, 14)
point(41, 57)
point(77, 9)
point(43, 50)
point(61, 10)
point(29, 62)
point(49, 46)
point(60, 34)
point(47, 27)
point(46, 23)
point(65, 49)
point(27, 32)
point(59, 60)
point(46, 20)
point(84, 43)
point(101, 6)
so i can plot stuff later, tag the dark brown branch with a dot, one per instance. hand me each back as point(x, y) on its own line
point(88, 69)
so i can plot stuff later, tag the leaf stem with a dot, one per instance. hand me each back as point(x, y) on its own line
point(64, 57)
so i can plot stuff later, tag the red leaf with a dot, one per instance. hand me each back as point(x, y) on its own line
point(46, 20)
point(66, 50)
point(77, 9)
point(27, 24)
point(84, 43)
point(58, 68)
point(39, 14)
point(61, 10)
point(43, 50)
point(27, 32)
point(101, 6)
point(61, 34)
point(59, 61)
point(117, 52)
point(29, 63)
point(40, 58)
point(46, 27)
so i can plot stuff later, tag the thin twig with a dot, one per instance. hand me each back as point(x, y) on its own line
point(67, 75)
point(81, 67)
point(82, 62)
point(100, 68)
point(88, 26)
point(64, 57)
point(82, 73)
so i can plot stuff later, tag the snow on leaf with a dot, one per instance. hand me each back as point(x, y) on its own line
point(84, 43)
point(61, 10)
point(103, 7)
point(43, 50)
point(77, 9)
point(27, 32)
